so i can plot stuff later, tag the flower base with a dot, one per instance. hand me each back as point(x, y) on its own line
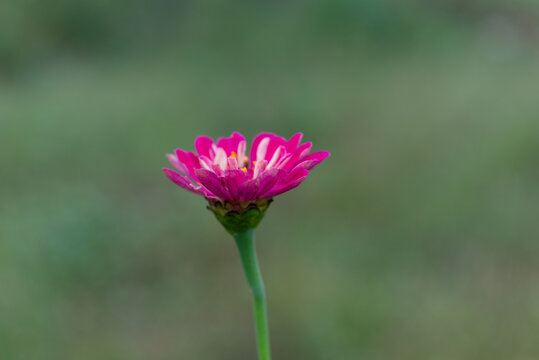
point(240, 217)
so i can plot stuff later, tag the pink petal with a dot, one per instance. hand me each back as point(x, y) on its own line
point(291, 162)
point(304, 153)
point(259, 167)
point(317, 155)
point(233, 164)
point(173, 159)
point(234, 179)
point(182, 181)
point(283, 161)
point(241, 152)
point(256, 141)
point(262, 149)
point(267, 180)
point(213, 183)
point(230, 144)
point(205, 162)
point(277, 155)
point(311, 160)
point(294, 142)
point(272, 144)
point(189, 160)
point(204, 145)
point(275, 143)
point(247, 190)
point(220, 158)
point(293, 175)
point(216, 168)
point(298, 179)
point(235, 139)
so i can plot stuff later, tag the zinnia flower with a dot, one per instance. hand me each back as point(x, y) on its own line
point(233, 182)
point(239, 189)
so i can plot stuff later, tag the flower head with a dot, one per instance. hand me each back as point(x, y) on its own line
point(233, 181)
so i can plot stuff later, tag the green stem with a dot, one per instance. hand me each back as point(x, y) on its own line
point(246, 247)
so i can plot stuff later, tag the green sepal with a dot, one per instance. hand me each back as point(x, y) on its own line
point(239, 217)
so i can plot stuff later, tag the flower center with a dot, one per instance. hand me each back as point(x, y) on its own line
point(234, 155)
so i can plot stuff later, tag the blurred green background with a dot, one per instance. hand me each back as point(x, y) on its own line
point(417, 239)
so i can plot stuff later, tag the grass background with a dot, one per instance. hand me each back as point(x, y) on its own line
point(417, 238)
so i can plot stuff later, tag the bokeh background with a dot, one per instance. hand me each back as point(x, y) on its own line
point(417, 239)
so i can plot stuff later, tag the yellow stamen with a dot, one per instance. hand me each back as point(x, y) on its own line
point(244, 169)
point(234, 155)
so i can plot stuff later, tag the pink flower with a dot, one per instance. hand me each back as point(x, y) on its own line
point(222, 171)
